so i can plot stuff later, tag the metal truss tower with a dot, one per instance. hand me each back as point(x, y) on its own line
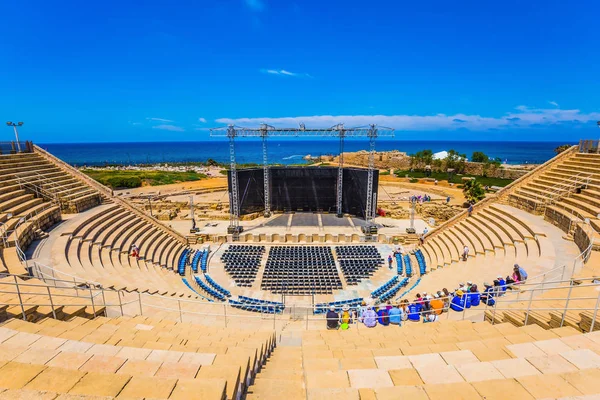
point(265, 131)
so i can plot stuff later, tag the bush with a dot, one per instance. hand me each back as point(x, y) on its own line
point(129, 182)
point(413, 180)
point(479, 156)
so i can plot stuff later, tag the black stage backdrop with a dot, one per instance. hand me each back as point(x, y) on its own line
point(307, 189)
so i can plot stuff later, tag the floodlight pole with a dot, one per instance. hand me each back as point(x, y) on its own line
point(266, 177)
point(340, 181)
point(14, 126)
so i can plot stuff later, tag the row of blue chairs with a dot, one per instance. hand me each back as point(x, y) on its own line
point(252, 300)
point(216, 286)
point(408, 265)
point(383, 288)
point(392, 292)
point(399, 263)
point(204, 261)
point(185, 281)
point(421, 261)
point(322, 308)
point(196, 260)
point(411, 288)
point(182, 262)
point(261, 308)
point(209, 290)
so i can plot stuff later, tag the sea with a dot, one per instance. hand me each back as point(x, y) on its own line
point(281, 151)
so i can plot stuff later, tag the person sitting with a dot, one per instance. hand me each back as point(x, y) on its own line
point(522, 273)
point(333, 319)
point(383, 316)
point(474, 296)
point(488, 294)
point(361, 310)
point(370, 317)
point(501, 284)
point(414, 311)
point(396, 315)
point(458, 301)
point(445, 295)
point(430, 317)
point(346, 317)
point(437, 305)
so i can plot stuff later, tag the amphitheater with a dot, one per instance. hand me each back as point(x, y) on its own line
point(84, 319)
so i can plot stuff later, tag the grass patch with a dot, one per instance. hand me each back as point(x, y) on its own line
point(442, 176)
point(133, 179)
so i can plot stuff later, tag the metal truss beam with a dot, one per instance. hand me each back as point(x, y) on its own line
point(264, 131)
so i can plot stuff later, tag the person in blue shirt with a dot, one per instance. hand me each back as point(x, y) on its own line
point(488, 295)
point(521, 272)
point(414, 311)
point(502, 286)
point(396, 315)
point(474, 296)
point(383, 316)
point(458, 301)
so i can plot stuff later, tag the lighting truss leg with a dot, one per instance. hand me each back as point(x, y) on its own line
point(267, 177)
point(234, 216)
point(340, 181)
point(369, 213)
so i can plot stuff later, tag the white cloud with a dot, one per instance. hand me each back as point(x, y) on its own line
point(255, 5)
point(555, 104)
point(203, 120)
point(523, 117)
point(166, 127)
point(159, 119)
point(283, 72)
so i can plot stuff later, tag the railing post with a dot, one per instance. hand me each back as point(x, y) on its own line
point(51, 302)
point(562, 321)
point(104, 301)
point(529, 306)
point(274, 314)
point(74, 284)
point(225, 313)
point(140, 301)
point(307, 318)
point(92, 300)
point(120, 303)
point(464, 307)
point(180, 314)
point(494, 311)
point(595, 314)
point(20, 298)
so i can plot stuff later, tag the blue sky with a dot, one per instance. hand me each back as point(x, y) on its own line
point(157, 70)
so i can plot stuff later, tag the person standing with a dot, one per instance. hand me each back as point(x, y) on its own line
point(465, 252)
point(390, 261)
point(470, 209)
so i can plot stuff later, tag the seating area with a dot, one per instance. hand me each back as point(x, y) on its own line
point(257, 305)
point(33, 173)
point(242, 263)
point(301, 270)
point(358, 262)
point(209, 290)
point(322, 308)
point(100, 248)
point(216, 286)
point(385, 287)
point(421, 262)
point(444, 360)
point(566, 194)
point(407, 264)
point(131, 358)
point(391, 291)
point(183, 261)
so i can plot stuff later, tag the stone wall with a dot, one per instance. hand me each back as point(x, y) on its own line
point(439, 212)
point(401, 161)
